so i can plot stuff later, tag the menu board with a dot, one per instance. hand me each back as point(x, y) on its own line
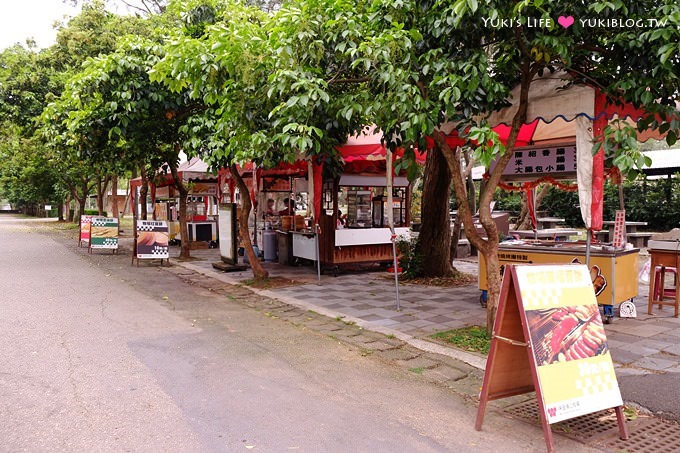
point(228, 233)
point(85, 222)
point(359, 209)
point(569, 345)
point(152, 239)
point(534, 162)
point(104, 233)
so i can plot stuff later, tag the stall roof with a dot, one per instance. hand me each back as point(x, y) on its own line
point(664, 162)
point(555, 104)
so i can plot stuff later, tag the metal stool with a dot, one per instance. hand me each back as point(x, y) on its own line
point(662, 295)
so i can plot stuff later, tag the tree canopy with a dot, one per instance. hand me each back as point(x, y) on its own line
point(268, 82)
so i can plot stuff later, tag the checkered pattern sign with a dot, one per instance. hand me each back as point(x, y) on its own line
point(85, 224)
point(152, 239)
point(104, 233)
point(559, 305)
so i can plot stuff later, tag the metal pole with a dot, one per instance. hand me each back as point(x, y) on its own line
point(318, 261)
point(396, 271)
point(588, 248)
point(390, 221)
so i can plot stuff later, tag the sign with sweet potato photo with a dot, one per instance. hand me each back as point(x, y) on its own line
point(104, 233)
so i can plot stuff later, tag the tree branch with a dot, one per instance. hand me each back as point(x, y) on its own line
point(350, 80)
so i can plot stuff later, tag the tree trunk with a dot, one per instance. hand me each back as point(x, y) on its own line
point(143, 191)
point(67, 207)
point(434, 240)
point(488, 247)
point(472, 202)
point(102, 184)
point(524, 220)
point(185, 249)
point(81, 205)
point(114, 195)
point(76, 208)
point(455, 236)
point(258, 271)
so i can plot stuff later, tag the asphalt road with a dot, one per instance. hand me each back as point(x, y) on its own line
point(96, 355)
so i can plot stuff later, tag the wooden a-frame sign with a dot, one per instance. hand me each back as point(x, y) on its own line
point(548, 338)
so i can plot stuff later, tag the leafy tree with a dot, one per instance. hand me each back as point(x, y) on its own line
point(26, 178)
point(138, 7)
point(31, 79)
point(224, 67)
point(117, 114)
point(433, 65)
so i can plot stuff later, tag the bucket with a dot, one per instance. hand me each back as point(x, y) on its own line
point(245, 255)
point(269, 245)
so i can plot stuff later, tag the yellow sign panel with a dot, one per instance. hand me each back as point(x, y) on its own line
point(568, 342)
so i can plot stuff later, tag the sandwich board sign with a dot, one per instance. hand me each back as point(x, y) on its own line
point(84, 237)
point(548, 337)
point(104, 233)
point(152, 240)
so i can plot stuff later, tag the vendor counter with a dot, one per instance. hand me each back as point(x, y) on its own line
point(304, 245)
point(613, 272)
point(295, 244)
point(363, 236)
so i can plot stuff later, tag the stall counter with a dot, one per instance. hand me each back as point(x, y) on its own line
point(362, 236)
point(304, 245)
point(614, 272)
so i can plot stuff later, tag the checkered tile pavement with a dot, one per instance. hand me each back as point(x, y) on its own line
point(371, 296)
point(643, 344)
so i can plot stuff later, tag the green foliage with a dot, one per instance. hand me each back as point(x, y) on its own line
point(410, 259)
point(472, 338)
point(564, 204)
point(508, 201)
point(655, 201)
point(621, 149)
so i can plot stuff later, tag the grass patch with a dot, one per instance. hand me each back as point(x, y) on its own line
point(472, 338)
point(457, 279)
point(418, 370)
point(67, 226)
point(269, 282)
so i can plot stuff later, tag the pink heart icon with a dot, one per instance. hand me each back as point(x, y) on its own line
point(566, 22)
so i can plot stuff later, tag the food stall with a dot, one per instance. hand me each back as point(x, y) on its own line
point(563, 122)
point(613, 272)
point(202, 202)
point(353, 221)
point(351, 207)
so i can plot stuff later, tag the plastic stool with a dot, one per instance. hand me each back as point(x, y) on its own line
point(664, 296)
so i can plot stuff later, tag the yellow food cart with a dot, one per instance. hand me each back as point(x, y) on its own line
point(613, 272)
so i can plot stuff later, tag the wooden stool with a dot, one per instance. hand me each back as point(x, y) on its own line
point(661, 295)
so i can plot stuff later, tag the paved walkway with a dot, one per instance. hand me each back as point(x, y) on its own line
point(646, 344)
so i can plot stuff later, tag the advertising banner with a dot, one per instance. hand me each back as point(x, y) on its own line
point(152, 239)
point(104, 233)
point(572, 359)
point(85, 222)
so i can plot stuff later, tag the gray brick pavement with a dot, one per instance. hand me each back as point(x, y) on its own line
point(369, 299)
